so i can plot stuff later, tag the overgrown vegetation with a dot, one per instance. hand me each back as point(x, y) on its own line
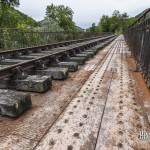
point(61, 14)
point(15, 26)
point(12, 18)
point(19, 30)
point(116, 23)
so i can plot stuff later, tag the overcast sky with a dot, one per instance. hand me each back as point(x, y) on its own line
point(85, 11)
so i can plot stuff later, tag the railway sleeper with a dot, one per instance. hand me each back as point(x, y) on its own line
point(79, 60)
point(72, 66)
point(99, 47)
point(86, 56)
point(90, 54)
point(57, 73)
point(94, 51)
point(13, 103)
point(32, 83)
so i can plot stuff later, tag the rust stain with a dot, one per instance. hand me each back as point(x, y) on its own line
point(142, 93)
point(89, 143)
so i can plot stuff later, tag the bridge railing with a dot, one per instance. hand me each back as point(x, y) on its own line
point(138, 40)
point(15, 38)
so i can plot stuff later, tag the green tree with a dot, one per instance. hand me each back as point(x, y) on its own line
point(9, 2)
point(5, 6)
point(116, 23)
point(116, 13)
point(104, 24)
point(93, 28)
point(63, 15)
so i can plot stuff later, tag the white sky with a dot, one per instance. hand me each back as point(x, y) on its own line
point(85, 11)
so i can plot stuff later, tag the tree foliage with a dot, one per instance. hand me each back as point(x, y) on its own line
point(15, 19)
point(93, 28)
point(13, 25)
point(9, 3)
point(12, 18)
point(4, 7)
point(63, 15)
point(116, 23)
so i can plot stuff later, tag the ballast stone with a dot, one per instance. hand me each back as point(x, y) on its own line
point(13, 103)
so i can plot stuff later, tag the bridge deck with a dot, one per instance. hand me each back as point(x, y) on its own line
point(99, 107)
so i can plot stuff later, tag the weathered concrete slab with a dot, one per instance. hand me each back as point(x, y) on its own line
point(57, 73)
point(92, 50)
point(105, 43)
point(90, 54)
point(72, 66)
point(97, 47)
point(33, 83)
point(83, 55)
point(102, 45)
point(14, 103)
point(79, 60)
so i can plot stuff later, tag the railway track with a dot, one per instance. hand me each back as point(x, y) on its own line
point(53, 50)
point(32, 69)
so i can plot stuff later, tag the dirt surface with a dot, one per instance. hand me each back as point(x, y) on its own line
point(103, 106)
point(142, 92)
